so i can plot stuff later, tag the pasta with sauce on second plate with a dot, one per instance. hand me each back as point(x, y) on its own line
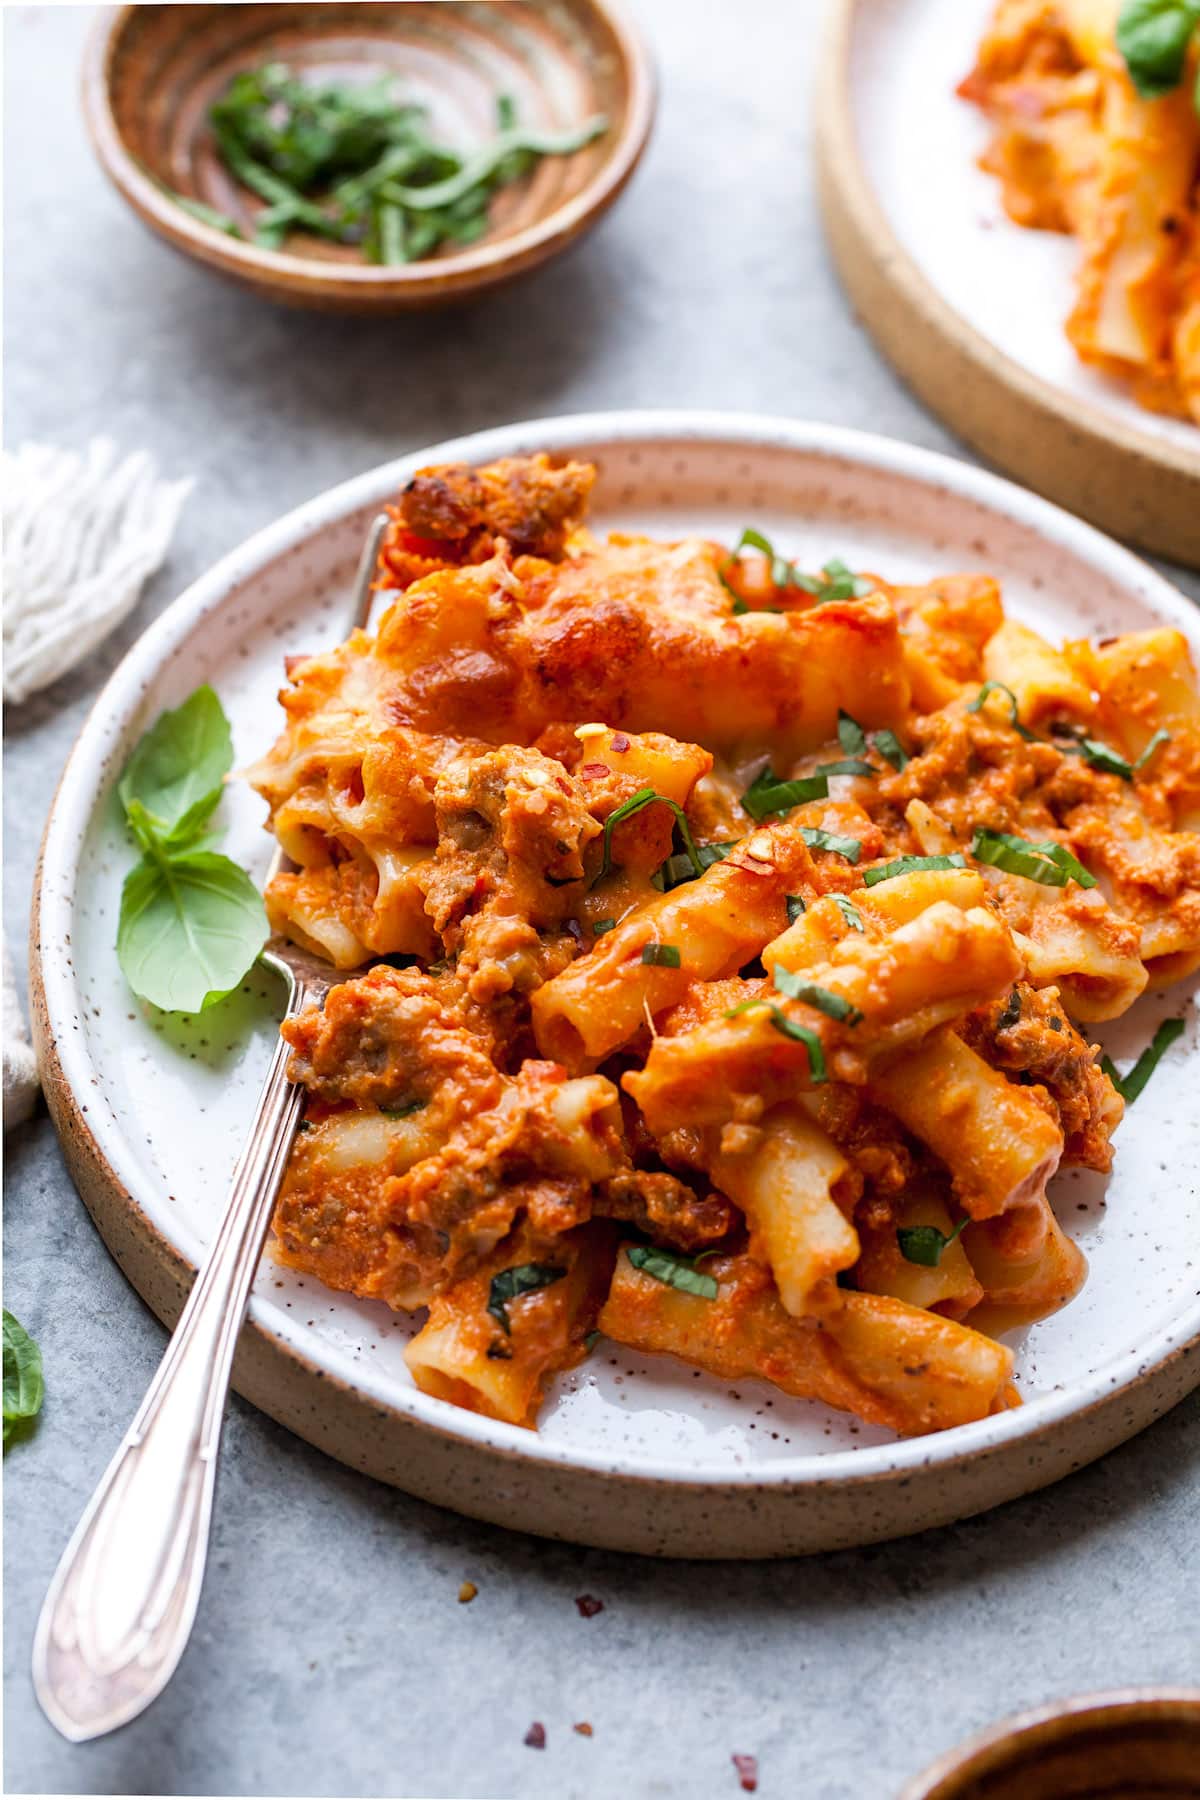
point(730, 929)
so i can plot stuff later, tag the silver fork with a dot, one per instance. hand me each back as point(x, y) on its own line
point(123, 1599)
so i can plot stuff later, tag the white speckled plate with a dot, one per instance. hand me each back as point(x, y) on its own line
point(969, 305)
point(634, 1452)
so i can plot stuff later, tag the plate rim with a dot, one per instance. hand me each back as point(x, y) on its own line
point(1123, 479)
point(85, 777)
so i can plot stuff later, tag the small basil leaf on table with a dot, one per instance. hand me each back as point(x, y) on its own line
point(23, 1384)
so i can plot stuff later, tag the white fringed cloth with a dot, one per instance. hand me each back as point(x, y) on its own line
point(83, 532)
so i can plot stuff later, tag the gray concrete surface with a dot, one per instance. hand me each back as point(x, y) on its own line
point(331, 1656)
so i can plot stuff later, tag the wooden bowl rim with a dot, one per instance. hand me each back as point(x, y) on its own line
point(484, 262)
point(1101, 441)
point(1003, 1745)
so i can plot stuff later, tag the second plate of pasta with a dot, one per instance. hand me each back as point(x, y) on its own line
point(745, 899)
point(1021, 231)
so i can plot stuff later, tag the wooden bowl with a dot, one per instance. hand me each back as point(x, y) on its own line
point(151, 73)
point(1136, 1744)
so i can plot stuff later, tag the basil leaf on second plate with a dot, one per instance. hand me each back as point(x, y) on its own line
point(190, 927)
point(177, 769)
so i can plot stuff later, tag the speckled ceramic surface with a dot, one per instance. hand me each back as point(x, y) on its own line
point(633, 1452)
point(968, 305)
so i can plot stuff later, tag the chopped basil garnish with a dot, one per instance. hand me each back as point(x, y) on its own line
point(1153, 37)
point(1130, 1086)
point(1011, 1013)
point(789, 1028)
point(848, 847)
point(672, 1270)
point(840, 583)
point(795, 907)
point(890, 748)
point(666, 956)
point(912, 865)
point(646, 797)
point(998, 687)
point(848, 911)
point(304, 1124)
point(1160, 737)
point(850, 765)
point(510, 1284)
point(678, 868)
point(924, 1244)
point(851, 735)
point(767, 794)
point(1050, 863)
point(832, 1005)
point(603, 925)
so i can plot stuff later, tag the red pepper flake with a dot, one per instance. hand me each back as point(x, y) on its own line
point(747, 1768)
point(599, 770)
point(535, 1737)
point(583, 1728)
point(618, 741)
point(588, 1605)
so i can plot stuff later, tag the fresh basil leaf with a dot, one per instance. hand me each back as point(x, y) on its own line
point(666, 956)
point(850, 765)
point(1050, 863)
point(646, 796)
point(1130, 1086)
point(673, 1270)
point(1153, 37)
point(925, 1244)
point(849, 847)
point(1160, 738)
point(795, 907)
point(832, 1005)
point(851, 735)
point(848, 911)
point(178, 767)
point(789, 1028)
point(603, 925)
point(678, 868)
point(911, 865)
point(24, 1386)
point(510, 1284)
point(767, 794)
point(191, 925)
point(890, 748)
point(998, 687)
point(404, 1112)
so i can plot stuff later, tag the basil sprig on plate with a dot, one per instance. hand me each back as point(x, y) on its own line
point(192, 922)
point(23, 1383)
point(1153, 36)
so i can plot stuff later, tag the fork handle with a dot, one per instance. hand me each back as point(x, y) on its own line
point(120, 1609)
